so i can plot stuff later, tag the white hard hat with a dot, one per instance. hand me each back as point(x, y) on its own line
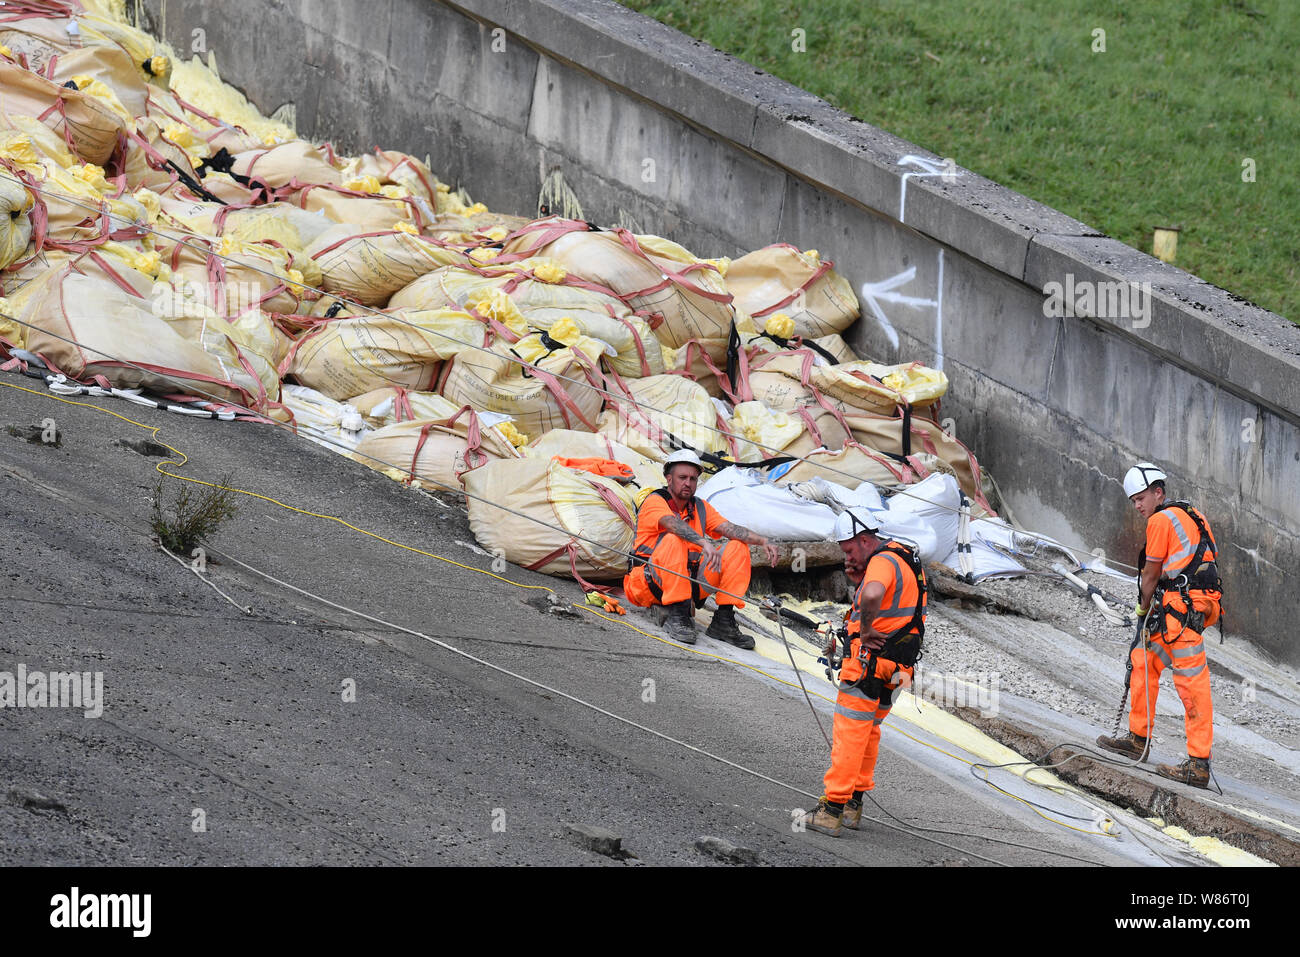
point(1141, 477)
point(852, 522)
point(683, 455)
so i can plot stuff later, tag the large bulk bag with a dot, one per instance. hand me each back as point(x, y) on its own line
point(659, 414)
point(369, 267)
point(391, 404)
point(561, 521)
point(879, 388)
point(851, 462)
point(89, 125)
point(780, 278)
point(544, 293)
point(350, 356)
point(555, 393)
point(232, 277)
point(919, 437)
point(118, 338)
point(438, 452)
point(584, 445)
point(651, 275)
point(15, 224)
point(296, 161)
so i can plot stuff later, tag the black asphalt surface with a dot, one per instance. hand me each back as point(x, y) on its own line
point(239, 722)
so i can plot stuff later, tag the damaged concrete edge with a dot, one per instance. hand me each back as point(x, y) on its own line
point(1210, 332)
point(1175, 804)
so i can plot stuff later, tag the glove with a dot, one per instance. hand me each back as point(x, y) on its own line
point(1139, 611)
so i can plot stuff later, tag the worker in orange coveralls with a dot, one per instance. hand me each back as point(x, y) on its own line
point(891, 598)
point(1178, 598)
point(679, 559)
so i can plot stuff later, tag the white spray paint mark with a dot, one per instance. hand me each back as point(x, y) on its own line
point(928, 168)
point(938, 318)
point(874, 293)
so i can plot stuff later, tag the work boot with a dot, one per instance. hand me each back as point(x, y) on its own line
point(825, 817)
point(852, 816)
point(724, 628)
point(1130, 745)
point(1193, 771)
point(679, 625)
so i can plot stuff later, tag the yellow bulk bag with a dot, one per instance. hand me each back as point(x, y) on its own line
point(780, 278)
point(853, 462)
point(280, 165)
point(112, 67)
point(922, 437)
point(437, 452)
point(554, 395)
point(363, 211)
point(370, 267)
point(562, 521)
point(705, 361)
point(118, 337)
point(879, 388)
point(544, 294)
point(583, 445)
point(15, 224)
point(762, 432)
point(231, 277)
point(350, 356)
point(473, 229)
point(91, 127)
point(390, 405)
point(660, 414)
point(689, 297)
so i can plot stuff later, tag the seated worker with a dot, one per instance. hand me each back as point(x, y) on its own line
point(680, 559)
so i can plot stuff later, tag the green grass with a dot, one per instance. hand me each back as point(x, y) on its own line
point(1151, 132)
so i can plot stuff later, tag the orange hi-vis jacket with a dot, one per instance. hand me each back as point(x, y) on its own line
point(1173, 540)
point(861, 706)
point(666, 568)
point(903, 592)
point(699, 515)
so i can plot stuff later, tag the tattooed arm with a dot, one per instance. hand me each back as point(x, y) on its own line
point(710, 548)
point(741, 534)
point(678, 526)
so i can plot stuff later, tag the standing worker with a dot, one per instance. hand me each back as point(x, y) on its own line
point(1179, 596)
point(678, 555)
point(891, 600)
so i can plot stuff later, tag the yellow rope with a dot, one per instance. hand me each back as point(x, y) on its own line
point(155, 429)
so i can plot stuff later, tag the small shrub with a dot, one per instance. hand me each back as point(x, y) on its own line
point(195, 514)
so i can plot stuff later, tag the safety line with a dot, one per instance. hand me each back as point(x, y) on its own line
point(104, 211)
point(154, 431)
point(576, 700)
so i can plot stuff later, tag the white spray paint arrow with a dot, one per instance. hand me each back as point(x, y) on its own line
point(874, 293)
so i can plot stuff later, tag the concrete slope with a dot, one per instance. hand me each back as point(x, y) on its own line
point(238, 721)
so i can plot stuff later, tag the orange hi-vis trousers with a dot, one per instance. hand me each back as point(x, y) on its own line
point(855, 743)
point(1185, 656)
point(656, 584)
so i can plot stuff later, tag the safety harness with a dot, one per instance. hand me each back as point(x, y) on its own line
point(641, 554)
point(1197, 575)
point(901, 646)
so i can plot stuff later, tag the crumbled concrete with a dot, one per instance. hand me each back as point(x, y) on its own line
point(726, 851)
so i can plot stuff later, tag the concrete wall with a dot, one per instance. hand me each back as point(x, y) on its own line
point(499, 93)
